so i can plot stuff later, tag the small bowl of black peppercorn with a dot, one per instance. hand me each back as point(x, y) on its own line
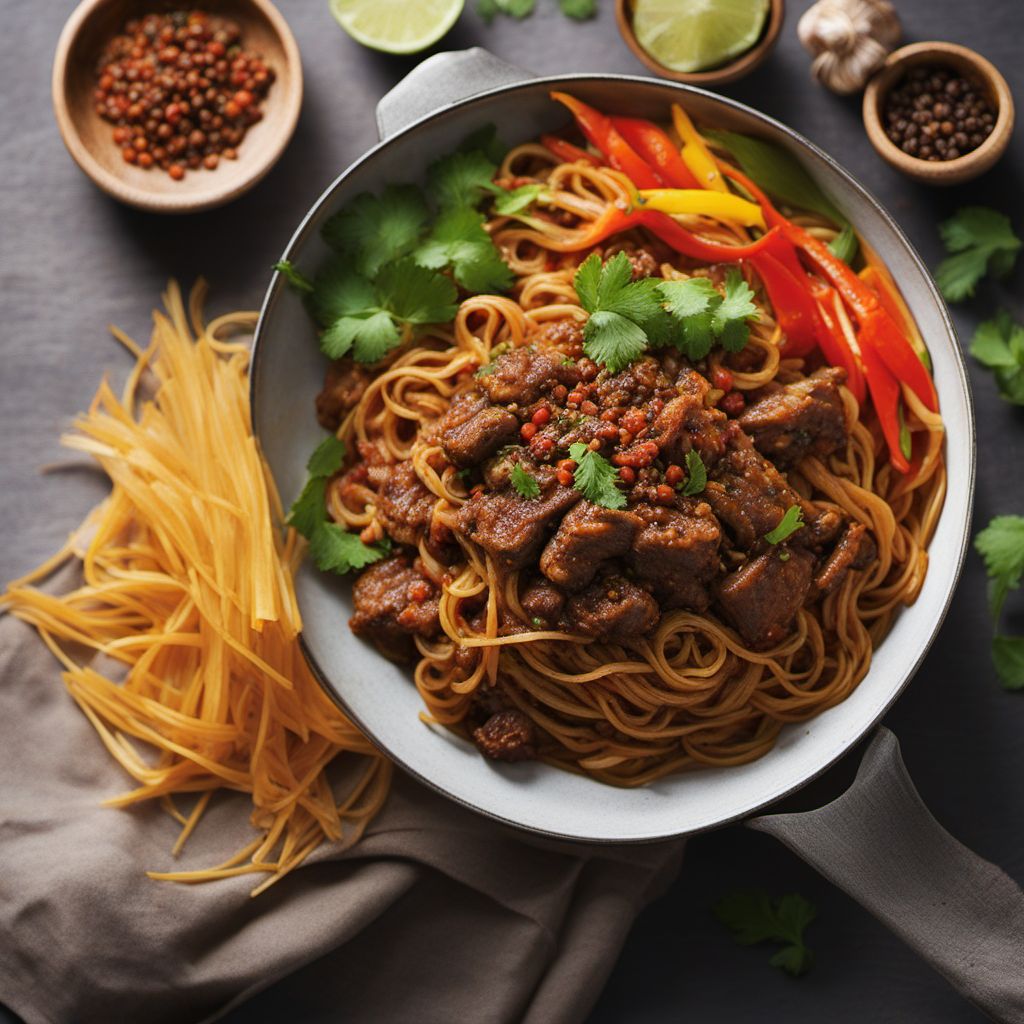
point(940, 113)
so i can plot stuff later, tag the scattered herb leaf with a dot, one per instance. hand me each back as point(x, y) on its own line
point(981, 241)
point(1001, 545)
point(524, 483)
point(294, 276)
point(487, 9)
point(753, 917)
point(518, 199)
point(778, 173)
point(336, 550)
point(730, 321)
point(999, 345)
point(696, 474)
point(578, 10)
point(458, 240)
point(596, 477)
point(327, 457)
point(462, 178)
point(792, 521)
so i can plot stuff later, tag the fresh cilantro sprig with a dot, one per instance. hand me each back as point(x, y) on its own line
point(596, 477)
point(1001, 545)
point(627, 317)
point(754, 917)
point(696, 474)
point(792, 521)
point(518, 199)
point(578, 10)
point(981, 241)
point(332, 548)
point(396, 263)
point(524, 482)
point(999, 345)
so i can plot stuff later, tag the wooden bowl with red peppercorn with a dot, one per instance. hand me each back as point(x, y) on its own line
point(176, 108)
point(940, 113)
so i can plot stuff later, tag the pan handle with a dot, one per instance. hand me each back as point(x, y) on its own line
point(880, 844)
point(440, 81)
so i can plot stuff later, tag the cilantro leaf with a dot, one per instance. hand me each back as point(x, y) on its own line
point(1008, 658)
point(485, 139)
point(458, 239)
point(524, 483)
point(327, 457)
point(613, 340)
point(693, 303)
point(578, 10)
point(293, 276)
point(309, 510)
point(334, 549)
point(339, 292)
point(981, 240)
point(731, 318)
point(596, 477)
point(518, 199)
point(753, 917)
point(374, 230)
point(999, 345)
point(845, 244)
point(487, 9)
point(415, 294)
point(1001, 546)
point(697, 474)
point(462, 178)
point(586, 281)
point(792, 521)
point(369, 337)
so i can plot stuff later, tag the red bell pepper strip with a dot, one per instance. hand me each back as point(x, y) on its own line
point(567, 152)
point(795, 309)
point(602, 134)
point(885, 397)
point(834, 345)
point(687, 243)
point(655, 147)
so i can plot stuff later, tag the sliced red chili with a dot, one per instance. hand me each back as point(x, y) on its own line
point(654, 146)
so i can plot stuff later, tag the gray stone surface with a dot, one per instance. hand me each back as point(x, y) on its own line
point(72, 260)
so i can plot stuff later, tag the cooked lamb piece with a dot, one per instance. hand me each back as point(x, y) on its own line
point(644, 263)
point(804, 418)
point(686, 423)
point(587, 536)
point(762, 597)
point(512, 529)
point(677, 551)
point(498, 470)
point(856, 550)
point(821, 529)
point(393, 602)
point(472, 429)
point(404, 504)
point(637, 384)
point(565, 335)
point(344, 384)
point(613, 609)
point(542, 600)
point(522, 375)
point(507, 736)
point(748, 493)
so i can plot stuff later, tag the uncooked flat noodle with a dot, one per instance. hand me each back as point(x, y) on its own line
point(693, 693)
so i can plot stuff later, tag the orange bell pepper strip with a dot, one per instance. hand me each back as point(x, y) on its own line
point(795, 309)
point(654, 146)
point(834, 345)
point(567, 152)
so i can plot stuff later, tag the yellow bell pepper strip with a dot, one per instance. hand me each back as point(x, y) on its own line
point(702, 202)
point(696, 154)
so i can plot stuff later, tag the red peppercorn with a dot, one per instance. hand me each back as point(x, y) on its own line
point(608, 432)
point(558, 393)
point(541, 416)
point(564, 477)
point(721, 378)
point(541, 447)
point(633, 420)
point(176, 171)
point(665, 494)
point(528, 431)
point(567, 465)
point(419, 592)
point(674, 475)
point(588, 408)
point(733, 403)
point(574, 398)
point(627, 475)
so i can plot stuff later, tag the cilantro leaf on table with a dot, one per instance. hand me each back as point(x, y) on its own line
point(696, 474)
point(578, 10)
point(792, 520)
point(458, 239)
point(462, 178)
point(998, 344)
point(753, 917)
point(374, 230)
point(518, 199)
point(293, 276)
point(487, 9)
point(1001, 546)
point(981, 241)
point(596, 477)
point(524, 483)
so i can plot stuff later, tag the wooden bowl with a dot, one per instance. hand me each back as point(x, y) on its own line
point(742, 65)
point(89, 138)
point(970, 65)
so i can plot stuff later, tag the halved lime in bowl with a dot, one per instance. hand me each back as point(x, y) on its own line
point(396, 26)
point(698, 35)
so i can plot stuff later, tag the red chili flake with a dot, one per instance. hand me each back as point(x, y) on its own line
point(665, 494)
point(633, 420)
point(674, 475)
point(419, 592)
point(588, 408)
point(627, 475)
point(558, 393)
point(733, 403)
point(574, 398)
point(568, 465)
point(721, 378)
point(528, 431)
point(541, 416)
point(565, 478)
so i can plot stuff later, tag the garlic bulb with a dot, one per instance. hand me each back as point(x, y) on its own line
point(849, 39)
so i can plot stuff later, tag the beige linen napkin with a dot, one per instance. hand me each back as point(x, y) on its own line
point(438, 915)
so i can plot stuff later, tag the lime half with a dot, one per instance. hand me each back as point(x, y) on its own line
point(396, 26)
point(696, 35)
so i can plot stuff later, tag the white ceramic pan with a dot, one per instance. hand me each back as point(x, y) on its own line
point(442, 101)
